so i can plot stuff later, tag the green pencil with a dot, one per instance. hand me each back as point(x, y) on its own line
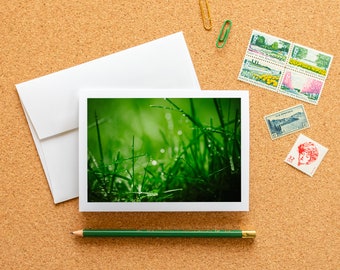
point(165, 233)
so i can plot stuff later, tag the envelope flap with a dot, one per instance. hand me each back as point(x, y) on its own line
point(51, 101)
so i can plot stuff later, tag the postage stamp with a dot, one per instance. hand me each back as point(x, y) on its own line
point(287, 121)
point(309, 60)
point(306, 155)
point(301, 86)
point(268, 47)
point(260, 73)
point(287, 68)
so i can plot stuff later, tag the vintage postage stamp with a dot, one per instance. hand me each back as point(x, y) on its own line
point(309, 60)
point(284, 67)
point(301, 86)
point(306, 155)
point(287, 121)
point(261, 73)
point(268, 47)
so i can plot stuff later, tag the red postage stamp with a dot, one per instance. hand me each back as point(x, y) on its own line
point(306, 155)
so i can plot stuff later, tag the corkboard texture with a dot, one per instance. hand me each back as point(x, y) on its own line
point(296, 216)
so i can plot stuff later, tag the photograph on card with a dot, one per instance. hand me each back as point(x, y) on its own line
point(183, 149)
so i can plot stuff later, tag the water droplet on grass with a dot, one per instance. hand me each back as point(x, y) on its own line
point(154, 162)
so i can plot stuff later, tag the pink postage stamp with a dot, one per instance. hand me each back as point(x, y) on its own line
point(306, 155)
point(301, 86)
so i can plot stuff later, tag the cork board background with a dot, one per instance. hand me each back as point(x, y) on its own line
point(296, 217)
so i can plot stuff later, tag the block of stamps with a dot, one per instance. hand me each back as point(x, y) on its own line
point(306, 155)
point(284, 67)
point(287, 121)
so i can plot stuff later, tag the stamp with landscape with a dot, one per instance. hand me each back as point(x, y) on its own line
point(310, 61)
point(260, 73)
point(287, 121)
point(269, 47)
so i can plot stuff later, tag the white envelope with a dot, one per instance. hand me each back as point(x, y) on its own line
point(50, 102)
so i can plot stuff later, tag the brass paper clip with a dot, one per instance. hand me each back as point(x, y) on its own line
point(205, 12)
point(224, 33)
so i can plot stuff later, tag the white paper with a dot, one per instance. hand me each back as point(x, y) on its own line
point(51, 102)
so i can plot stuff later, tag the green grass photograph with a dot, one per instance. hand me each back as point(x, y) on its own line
point(164, 149)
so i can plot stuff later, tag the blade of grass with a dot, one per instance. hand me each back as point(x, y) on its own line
point(114, 173)
point(99, 140)
point(133, 162)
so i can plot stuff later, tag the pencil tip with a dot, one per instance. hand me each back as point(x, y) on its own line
point(77, 233)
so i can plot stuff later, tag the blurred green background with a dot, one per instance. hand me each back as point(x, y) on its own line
point(135, 144)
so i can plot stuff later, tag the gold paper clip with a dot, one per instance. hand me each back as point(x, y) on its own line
point(205, 12)
point(224, 33)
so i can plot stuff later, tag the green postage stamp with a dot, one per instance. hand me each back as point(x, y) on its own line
point(285, 67)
